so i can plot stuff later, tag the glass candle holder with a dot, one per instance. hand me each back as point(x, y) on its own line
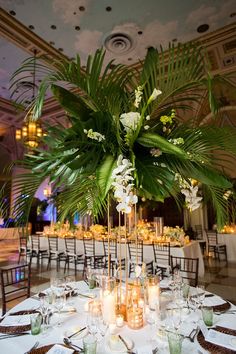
point(135, 317)
point(108, 300)
point(119, 320)
point(152, 291)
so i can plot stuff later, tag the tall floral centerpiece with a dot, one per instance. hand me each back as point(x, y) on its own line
point(125, 135)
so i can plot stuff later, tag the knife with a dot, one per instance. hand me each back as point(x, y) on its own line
point(129, 351)
point(8, 335)
point(77, 332)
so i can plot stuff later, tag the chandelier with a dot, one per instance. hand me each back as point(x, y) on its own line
point(31, 132)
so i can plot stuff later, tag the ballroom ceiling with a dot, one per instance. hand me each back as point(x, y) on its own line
point(126, 28)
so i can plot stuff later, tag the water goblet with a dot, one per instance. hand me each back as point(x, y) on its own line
point(59, 302)
point(44, 310)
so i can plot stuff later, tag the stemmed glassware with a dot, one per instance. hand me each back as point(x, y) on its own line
point(90, 278)
point(151, 318)
point(44, 310)
point(59, 301)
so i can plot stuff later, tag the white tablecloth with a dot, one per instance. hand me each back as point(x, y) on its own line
point(192, 250)
point(230, 241)
point(19, 345)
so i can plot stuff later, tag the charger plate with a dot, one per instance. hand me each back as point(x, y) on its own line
point(213, 348)
point(46, 348)
point(223, 307)
point(17, 329)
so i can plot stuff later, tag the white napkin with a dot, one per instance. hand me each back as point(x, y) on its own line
point(59, 349)
point(20, 320)
point(227, 321)
point(222, 339)
point(214, 301)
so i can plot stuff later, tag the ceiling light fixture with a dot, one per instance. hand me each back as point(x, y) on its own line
point(32, 131)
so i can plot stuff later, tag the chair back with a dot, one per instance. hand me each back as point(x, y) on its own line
point(212, 237)
point(23, 242)
point(188, 268)
point(15, 283)
point(53, 243)
point(70, 245)
point(161, 252)
point(111, 249)
point(136, 251)
point(89, 247)
point(198, 232)
point(35, 242)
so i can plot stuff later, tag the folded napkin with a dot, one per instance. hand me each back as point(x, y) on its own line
point(60, 349)
point(214, 301)
point(226, 321)
point(22, 320)
point(224, 340)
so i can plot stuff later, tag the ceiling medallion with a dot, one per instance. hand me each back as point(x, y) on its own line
point(119, 43)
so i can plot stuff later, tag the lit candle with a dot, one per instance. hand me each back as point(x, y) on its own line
point(109, 315)
point(153, 295)
point(119, 320)
point(141, 303)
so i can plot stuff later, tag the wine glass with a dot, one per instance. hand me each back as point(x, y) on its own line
point(151, 318)
point(59, 302)
point(90, 278)
point(201, 294)
point(44, 310)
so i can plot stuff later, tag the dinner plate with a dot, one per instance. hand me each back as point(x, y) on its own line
point(115, 345)
point(77, 336)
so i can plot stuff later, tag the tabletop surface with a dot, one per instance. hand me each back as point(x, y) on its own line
point(71, 321)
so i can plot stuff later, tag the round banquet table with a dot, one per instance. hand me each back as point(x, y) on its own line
point(21, 344)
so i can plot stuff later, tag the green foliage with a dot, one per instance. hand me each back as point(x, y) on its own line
point(80, 166)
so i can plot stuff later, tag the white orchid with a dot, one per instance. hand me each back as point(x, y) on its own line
point(122, 176)
point(124, 208)
point(94, 135)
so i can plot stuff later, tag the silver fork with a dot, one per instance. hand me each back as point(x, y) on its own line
point(32, 348)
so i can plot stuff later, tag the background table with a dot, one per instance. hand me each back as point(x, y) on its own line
point(191, 250)
point(230, 241)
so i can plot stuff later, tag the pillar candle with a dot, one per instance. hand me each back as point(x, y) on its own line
point(109, 315)
point(153, 295)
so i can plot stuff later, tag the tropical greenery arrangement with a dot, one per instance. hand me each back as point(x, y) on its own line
point(126, 137)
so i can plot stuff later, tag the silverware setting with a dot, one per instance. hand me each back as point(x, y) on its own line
point(77, 332)
point(9, 335)
point(87, 296)
point(69, 343)
point(129, 351)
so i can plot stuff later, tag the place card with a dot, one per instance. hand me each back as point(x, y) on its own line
point(21, 320)
point(224, 340)
point(60, 349)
